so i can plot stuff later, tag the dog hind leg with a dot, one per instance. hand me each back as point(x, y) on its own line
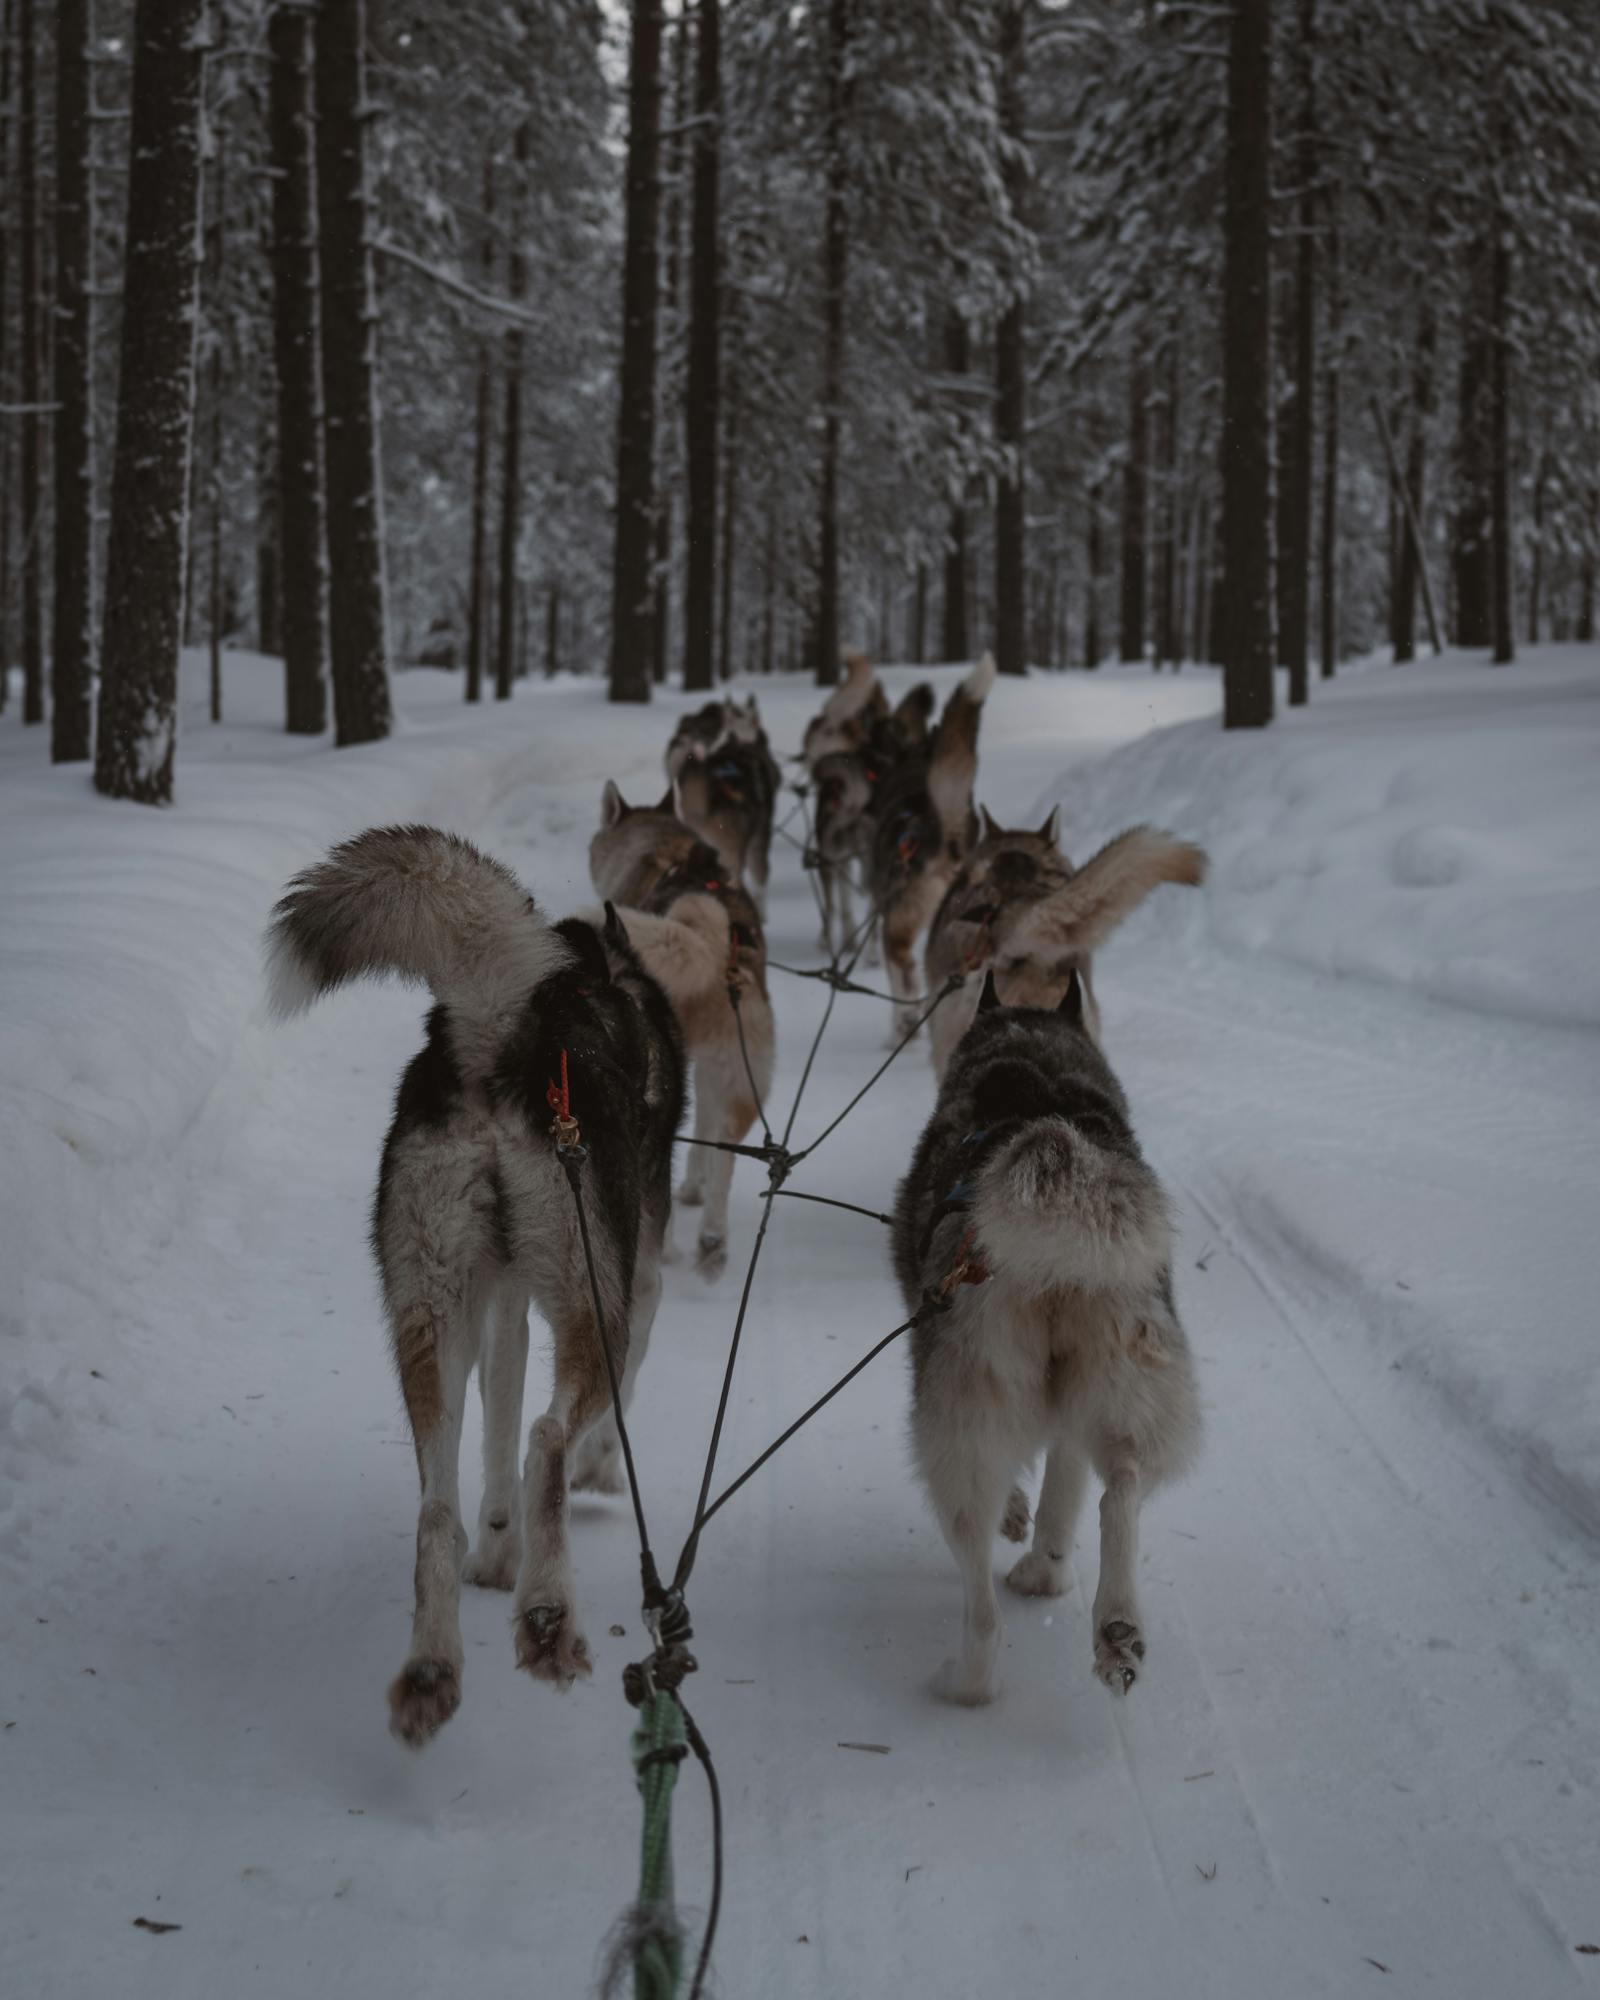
point(502, 1370)
point(1042, 1572)
point(597, 1464)
point(1118, 1637)
point(435, 1348)
point(970, 1498)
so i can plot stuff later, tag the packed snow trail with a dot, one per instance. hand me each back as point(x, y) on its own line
point(1365, 1752)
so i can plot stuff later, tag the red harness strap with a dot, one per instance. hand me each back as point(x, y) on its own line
point(563, 1126)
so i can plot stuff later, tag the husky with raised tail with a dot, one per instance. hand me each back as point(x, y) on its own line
point(851, 786)
point(700, 934)
point(474, 1215)
point(1030, 1213)
point(726, 783)
point(1019, 906)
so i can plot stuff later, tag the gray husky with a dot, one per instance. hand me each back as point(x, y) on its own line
point(1030, 1213)
point(473, 1215)
point(1017, 904)
point(726, 783)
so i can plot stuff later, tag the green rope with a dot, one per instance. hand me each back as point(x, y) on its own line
point(659, 1746)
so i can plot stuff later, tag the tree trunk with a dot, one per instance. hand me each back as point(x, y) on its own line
point(505, 647)
point(7, 24)
point(155, 410)
point(1505, 645)
point(919, 615)
point(301, 507)
point(835, 258)
point(269, 595)
point(1536, 577)
point(214, 379)
point(769, 588)
point(667, 432)
point(1169, 612)
point(701, 407)
point(1586, 579)
point(730, 495)
point(357, 607)
point(1412, 557)
point(478, 557)
point(1473, 576)
point(1247, 372)
point(72, 644)
point(633, 625)
point(1096, 553)
point(32, 385)
point(1010, 366)
point(552, 632)
point(1329, 635)
point(955, 643)
point(1134, 507)
point(1294, 641)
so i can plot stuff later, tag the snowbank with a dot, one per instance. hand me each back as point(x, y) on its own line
point(1433, 826)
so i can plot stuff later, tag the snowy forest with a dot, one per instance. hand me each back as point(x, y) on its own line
point(523, 339)
point(899, 697)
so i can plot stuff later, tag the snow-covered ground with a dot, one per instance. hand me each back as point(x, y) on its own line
point(1366, 1754)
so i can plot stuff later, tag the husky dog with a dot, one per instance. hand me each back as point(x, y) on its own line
point(849, 712)
point(700, 935)
point(726, 785)
point(850, 784)
point(922, 831)
point(473, 1215)
point(1030, 1210)
point(1018, 904)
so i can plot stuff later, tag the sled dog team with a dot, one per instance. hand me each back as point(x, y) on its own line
point(1029, 1229)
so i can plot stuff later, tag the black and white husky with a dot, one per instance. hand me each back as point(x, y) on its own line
point(1030, 1208)
point(474, 1215)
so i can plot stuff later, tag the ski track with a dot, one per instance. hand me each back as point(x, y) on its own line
point(1368, 1731)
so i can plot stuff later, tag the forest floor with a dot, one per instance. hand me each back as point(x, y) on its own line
point(1365, 1756)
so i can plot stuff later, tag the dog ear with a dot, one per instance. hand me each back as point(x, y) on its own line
point(988, 826)
point(1051, 830)
point(669, 804)
point(615, 931)
point(613, 806)
point(1070, 1005)
point(988, 998)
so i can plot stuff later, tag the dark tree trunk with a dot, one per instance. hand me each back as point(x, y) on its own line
point(478, 556)
point(1586, 580)
point(155, 411)
point(358, 640)
point(1169, 614)
point(919, 615)
point(1010, 370)
point(552, 632)
point(1411, 557)
point(1473, 577)
point(835, 258)
point(1091, 621)
point(7, 24)
point(505, 649)
point(954, 639)
point(1134, 507)
point(72, 645)
point(668, 432)
point(1536, 577)
point(1294, 596)
point(1247, 372)
point(301, 509)
point(701, 407)
point(216, 259)
point(269, 596)
point(633, 625)
point(730, 499)
point(33, 392)
point(1505, 645)
point(769, 589)
point(1332, 380)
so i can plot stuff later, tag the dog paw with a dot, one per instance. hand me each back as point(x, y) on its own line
point(711, 1257)
point(424, 1696)
point(1014, 1522)
point(599, 1472)
point(1038, 1575)
point(1118, 1654)
point(493, 1563)
point(551, 1645)
point(967, 1686)
point(691, 1195)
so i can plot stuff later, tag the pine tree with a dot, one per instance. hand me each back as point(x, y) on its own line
point(478, 560)
point(702, 404)
point(511, 442)
point(72, 644)
point(1011, 372)
point(836, 242)
point(137, 725)
point(357, 610)
point(33, 350)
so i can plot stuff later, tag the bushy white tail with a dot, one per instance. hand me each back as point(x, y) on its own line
point(1081, 916)
point(1053, 1209)
point(953, 768)
point(422, 905)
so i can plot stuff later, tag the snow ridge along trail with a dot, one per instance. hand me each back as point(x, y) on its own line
point(1364, 1757)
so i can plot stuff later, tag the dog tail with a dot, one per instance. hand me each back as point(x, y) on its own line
point(953, 769)
point(912, 715)
point(854, 691)
point(422, 905)
point(1054, 1209)
point(1081, 916)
